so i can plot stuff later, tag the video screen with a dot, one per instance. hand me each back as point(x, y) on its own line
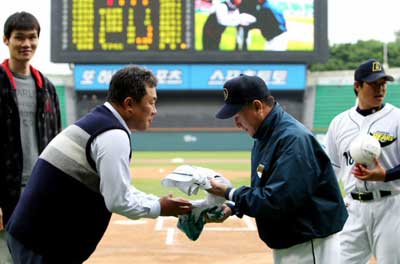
point(254, 25)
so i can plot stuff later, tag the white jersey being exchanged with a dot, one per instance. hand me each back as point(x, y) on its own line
point(384, 125)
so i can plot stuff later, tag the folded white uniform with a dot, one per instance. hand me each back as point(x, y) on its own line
point(189, 179)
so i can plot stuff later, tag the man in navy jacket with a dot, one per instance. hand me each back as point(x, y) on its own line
point(294, 195)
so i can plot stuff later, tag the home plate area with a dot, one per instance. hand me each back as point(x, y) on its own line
point(160, 241)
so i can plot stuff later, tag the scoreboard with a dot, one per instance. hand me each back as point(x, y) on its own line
point(171, 31)
point(126, 25)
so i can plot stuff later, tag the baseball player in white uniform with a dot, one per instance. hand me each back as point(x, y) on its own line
point(372, 192)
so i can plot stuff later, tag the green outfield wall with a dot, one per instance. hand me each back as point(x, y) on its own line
point(191, 140)
point(331, 100)
point(60, 89)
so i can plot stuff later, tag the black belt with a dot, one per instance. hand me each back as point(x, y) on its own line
point(368, 196)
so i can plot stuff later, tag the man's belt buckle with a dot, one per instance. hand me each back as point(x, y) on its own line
point(368, 196)
point(362, 196)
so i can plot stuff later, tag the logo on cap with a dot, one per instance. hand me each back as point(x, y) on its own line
point(225, 94)
point(376, 67)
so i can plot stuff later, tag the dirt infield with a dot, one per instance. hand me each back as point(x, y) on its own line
point(159, 241)
point(151, 241)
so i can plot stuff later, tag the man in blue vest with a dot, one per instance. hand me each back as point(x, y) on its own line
point(83, 176)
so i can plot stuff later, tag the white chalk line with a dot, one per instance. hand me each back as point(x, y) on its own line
point(169, 240)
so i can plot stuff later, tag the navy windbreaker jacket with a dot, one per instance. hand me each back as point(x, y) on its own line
point(294, 194)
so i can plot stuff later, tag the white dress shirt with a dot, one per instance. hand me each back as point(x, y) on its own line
point(110, 151)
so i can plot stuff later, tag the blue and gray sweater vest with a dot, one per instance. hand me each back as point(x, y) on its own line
point(62, 214)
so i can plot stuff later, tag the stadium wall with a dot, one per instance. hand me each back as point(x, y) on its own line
point(333, 93)
point(66, 94)
point(186, 119)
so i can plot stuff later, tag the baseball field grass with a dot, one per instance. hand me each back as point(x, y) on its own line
point(150, 167)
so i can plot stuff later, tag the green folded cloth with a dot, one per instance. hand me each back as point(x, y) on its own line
point(192, 224)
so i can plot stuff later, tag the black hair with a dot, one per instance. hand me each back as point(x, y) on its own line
point(360, 83)
point(21, 21)
point(269, 100)
point(130, 81)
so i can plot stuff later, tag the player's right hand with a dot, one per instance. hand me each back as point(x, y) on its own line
point(174, 206)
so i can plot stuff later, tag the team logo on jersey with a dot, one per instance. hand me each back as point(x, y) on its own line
point(260, 170)
point(376, 67)
point(384, 138)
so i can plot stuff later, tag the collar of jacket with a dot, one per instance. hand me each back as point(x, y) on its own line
point(35, 73)
point(269, 122)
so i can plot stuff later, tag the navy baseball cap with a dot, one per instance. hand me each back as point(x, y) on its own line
point(370, 71)
point(239, 91)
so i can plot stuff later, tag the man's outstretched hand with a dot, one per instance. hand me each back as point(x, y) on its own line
point(174, 206)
